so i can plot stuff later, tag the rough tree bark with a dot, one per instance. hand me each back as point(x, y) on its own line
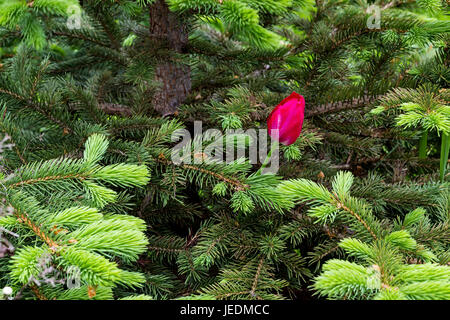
point(167, 30)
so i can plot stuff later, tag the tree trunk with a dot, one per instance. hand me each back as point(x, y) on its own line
point(168, 31)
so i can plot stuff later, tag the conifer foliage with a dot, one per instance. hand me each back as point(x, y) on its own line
point(96, 97)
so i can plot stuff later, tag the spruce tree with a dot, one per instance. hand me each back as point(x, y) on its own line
point(94, 96)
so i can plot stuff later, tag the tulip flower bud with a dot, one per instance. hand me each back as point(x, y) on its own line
point(285, 122)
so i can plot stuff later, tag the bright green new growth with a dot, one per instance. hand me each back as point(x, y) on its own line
point(71, 233)
point(389, 264)
point(238, 18)
point(218, 230)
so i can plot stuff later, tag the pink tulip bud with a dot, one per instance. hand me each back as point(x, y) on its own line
point(287, 118)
